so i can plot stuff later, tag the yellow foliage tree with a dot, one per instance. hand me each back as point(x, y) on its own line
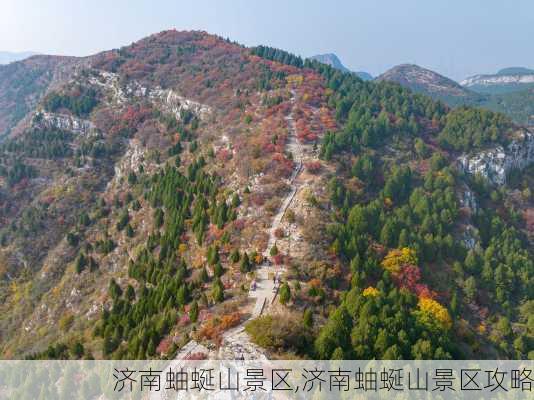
point(433, 314)
point(182, 248)
point(295, 79)
point(396, 258)
point(371, 291)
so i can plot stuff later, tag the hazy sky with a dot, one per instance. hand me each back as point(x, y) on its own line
point(454, 37)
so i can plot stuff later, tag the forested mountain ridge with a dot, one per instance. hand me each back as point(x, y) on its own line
point(508, 92)
point(137, 201)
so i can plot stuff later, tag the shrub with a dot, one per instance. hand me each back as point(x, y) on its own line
point(280, 333)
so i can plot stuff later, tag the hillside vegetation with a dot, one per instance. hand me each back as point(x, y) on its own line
point(137, 201)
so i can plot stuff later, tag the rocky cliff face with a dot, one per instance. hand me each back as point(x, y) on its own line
point(63, 122)
point(175, 103)
point(169, 99)
point(496, 163)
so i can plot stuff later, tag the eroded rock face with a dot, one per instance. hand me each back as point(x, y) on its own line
point(495, 164)
point(63, 122)
point(168, 98)
point(175, 103)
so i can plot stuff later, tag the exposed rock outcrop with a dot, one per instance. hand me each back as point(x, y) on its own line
point(468, 200)
point(63, 122)
point(176, 103)
point(487, 80)
point(495, 164)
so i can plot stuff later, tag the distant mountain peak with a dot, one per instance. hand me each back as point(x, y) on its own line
point(423, 80)
point(334, 61)
point(506, 80)
point(330, 59)
point(516, 71)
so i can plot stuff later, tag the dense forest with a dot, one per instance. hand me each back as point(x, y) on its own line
point(140, 318)
point(401, 230)
point(80, 101)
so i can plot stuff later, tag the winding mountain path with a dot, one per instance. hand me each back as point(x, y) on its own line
point(236, 343)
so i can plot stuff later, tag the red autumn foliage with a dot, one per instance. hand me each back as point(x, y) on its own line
point(164, 346)
point(239, 224)
point(258, 199)
point(282, 165)
point(136, 69)
point(279, 233)
point(313, 166)
point(224, 155)
point(409, 277)
point(128, 121)
point(214, 233)
point(278, 259)
point(268, 148)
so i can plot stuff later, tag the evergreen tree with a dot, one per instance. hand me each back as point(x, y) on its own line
point(217, 291)
point(245, 265)
point(285, 293)
point(193, 311)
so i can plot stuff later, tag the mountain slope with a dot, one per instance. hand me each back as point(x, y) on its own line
point(184, 112)
point(23, 83)
point(149, 202)
point(517, 105)
point(333, 60)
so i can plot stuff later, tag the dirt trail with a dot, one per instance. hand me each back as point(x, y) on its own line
point(236, 343)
